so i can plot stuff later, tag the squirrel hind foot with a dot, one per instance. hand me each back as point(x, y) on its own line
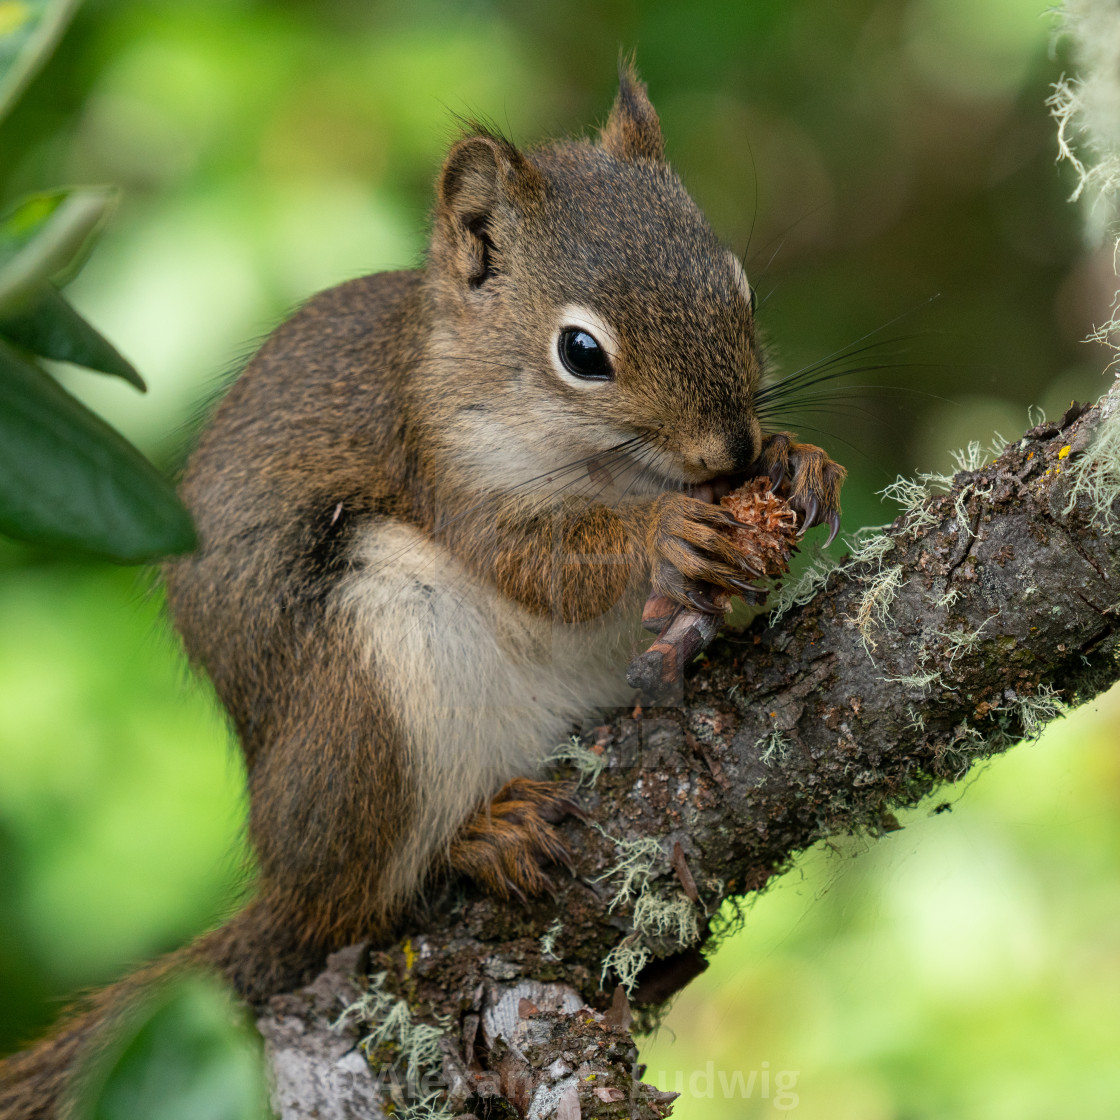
point(504, 845)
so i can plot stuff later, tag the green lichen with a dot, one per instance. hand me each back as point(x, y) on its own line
point(1035, 712)
point(586, 762)
point(874, 607)
point(949, 598)
point(548, 938)
point(661, 923)
point(796, 593)
point(416, 1046)
point(915, 680)
point(1096, 474)
point(639, 862)
point(674, 919)
point(773, 747)
point(626, 960)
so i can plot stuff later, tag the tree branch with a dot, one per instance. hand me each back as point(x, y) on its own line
point(978, 615)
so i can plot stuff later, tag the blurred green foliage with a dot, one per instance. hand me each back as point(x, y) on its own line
point(187, 1055)
point(67, 479)
point(866, 155)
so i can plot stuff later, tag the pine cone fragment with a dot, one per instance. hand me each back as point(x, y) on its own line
point(768, 534)
point(766, 537)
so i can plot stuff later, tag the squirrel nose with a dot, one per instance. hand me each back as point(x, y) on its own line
point(711, 455)
point(744, 449)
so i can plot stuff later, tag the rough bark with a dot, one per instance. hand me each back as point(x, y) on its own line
point(949, 645)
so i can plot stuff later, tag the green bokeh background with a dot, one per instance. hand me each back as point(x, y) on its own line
point(867, 155)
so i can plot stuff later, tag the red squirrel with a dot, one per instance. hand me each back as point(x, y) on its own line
point(429, 511)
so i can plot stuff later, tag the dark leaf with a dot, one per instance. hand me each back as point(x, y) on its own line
point(48, 326)
point(28, 32)
point(45, 234)
point(68, 480)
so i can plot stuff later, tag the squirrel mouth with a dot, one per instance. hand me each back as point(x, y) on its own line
point(713, 489)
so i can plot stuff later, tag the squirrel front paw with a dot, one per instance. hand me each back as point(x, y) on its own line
point(691, 553)
point(806, 477)
point(503, 845)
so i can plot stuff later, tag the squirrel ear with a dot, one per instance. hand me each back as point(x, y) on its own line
point(632, 130)
point(483, 177)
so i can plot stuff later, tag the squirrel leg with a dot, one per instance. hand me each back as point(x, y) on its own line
point(503, 845)
point(809, 480)
point(691, 554)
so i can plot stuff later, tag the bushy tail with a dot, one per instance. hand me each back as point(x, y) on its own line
point(253, 951)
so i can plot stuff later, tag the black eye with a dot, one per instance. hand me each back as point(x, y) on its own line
point(754, 301)
point(582, 355)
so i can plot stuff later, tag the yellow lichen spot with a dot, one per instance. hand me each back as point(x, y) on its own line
point(409, 954)
point(13, 15)
point(1030, 456)
point(1064, 452)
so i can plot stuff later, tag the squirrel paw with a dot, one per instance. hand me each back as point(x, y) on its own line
point(503, 846)
point(806, 477)
point(691, 553)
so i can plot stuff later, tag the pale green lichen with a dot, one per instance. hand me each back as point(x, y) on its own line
point(874, 608)
point(1096, 474)
point(773, 747)
point(796, 593)
point(948, 599)
point(626, 959)
point(869, 549)
point(1087, 109)
point(915, 680)
point(961, 641)
point(548, 938)
point(639, 862)
point(586, 762)
point(660, 924)
point(1035, 712)
point(913, 495)
point(917, 721)
point(390, 1022)
point(674, 919)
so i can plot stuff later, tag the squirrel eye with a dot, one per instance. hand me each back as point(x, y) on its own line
point(582, 355)
point(754, 301)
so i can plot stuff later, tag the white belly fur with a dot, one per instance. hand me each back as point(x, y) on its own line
point(484, 690)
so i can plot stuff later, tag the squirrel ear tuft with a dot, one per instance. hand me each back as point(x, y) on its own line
point(632, 130)
point(483, 177)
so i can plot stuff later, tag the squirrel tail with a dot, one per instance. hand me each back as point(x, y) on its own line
point(250, 951)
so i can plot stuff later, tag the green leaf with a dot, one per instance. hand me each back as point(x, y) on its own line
point(44, 234)
point(29, 30)
point(70, 481)
point(186, 1058)
point(49, 327)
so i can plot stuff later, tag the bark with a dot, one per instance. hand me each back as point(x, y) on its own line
point(979, 613)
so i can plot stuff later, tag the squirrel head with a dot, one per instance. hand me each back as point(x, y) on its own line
point(582, 307)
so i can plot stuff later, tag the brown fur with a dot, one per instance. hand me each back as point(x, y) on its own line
point(422, 543)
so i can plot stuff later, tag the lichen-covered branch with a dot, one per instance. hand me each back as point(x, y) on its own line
point(981, 613)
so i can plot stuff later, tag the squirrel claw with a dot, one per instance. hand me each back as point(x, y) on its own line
point(702, 603)
point(812, 509)
point(833, 520)
point(743, 587)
